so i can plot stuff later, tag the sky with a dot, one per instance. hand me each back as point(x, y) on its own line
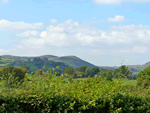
point(101, 32)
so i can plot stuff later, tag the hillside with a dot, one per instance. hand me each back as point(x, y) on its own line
point(49, 60)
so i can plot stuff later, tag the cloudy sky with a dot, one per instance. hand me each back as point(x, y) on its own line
point(102, 32)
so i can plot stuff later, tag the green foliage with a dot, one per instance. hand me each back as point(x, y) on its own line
point(82, 68)
point(94, 71)
point(123, 72)
point(94, 95)
point(38, 72)
point(143, 77)
point(69, 70)
point(87, 72)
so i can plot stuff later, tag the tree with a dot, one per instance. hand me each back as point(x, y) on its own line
point(109, 75)
point(16, 73)
point(45, 58)
point(87, 72)
point(143, 77)
point(24, 67)
point(82, 68)
point(69, 70)
point(123, 72)
point(94, 71)
point(37, 59)
point(38, 72)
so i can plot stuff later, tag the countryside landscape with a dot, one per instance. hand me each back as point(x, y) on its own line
point(69, 80)
point(74, 56)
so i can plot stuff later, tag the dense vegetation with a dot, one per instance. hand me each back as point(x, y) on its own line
point(51, 61)
point(84, 72)
point(48, 93)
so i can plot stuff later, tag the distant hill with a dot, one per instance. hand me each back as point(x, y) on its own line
point(72, 61)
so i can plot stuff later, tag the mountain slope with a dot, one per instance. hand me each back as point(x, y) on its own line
point(72, 61)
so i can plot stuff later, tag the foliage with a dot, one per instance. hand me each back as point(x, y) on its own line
point(52, 95)
point(108, 75)
point(87, 72)
point(123, 72)
point(94, 71)
point(143, 77)
point(82, 68)
point(69, 70)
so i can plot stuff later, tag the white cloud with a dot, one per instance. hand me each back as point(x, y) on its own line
point(4, 1)
point(70, 33)
point(107, 2)
point(19, 26)
point(135, 49)
point(92, 51)
point(100, 2)
point(53, 21)
point(135, 32)
point(117, 18)
point(94, 17)
point(28, 34)
point(96, 22)
point(138, 49)
point(4, 50)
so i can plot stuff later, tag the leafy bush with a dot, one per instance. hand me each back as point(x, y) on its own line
point(8, 74)
point(95, 95)
point(143, 78)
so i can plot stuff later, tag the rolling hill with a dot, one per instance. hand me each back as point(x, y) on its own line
point(72, 61)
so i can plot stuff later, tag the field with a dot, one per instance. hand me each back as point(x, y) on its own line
point(127, 82)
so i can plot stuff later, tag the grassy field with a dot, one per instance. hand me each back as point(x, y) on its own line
point(127, 82)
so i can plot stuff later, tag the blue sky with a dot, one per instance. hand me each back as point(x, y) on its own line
point(101, 32)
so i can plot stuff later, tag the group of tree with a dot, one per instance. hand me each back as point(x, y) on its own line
point(143, 78)
point(17, 73)
point(81, 72)
point(84, 71)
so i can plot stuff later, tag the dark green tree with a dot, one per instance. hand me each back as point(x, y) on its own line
point(82, 68)
point(94, 71)
point(123, 72)
point(87, 72)
point(143, 77)
point(45, 58)
point(69, 70)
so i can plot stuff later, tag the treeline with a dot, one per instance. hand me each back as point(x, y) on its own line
point(38, 62)
point(84, 72)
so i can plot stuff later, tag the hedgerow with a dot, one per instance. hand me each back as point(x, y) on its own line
point(51, 95)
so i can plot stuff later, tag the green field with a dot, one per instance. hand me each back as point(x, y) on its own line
point(127, 82)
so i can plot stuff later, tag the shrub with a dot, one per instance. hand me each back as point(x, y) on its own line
point(16, 73)
point(143, 78)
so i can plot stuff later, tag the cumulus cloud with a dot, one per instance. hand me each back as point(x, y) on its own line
point(53, 21)
point(70, 33)
point(28, 34)
point(117, 18)
point(19, 26)
point(100, 2)
point(135, 32)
